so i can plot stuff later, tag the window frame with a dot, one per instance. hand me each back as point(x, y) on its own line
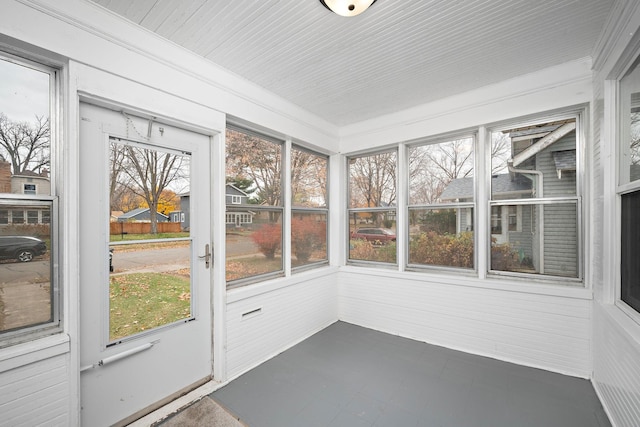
point(623, 185)
point(310, 210)
point(354, 211)
point(244, 281)
point(470, 206)
point(55, 325)
point(578, 114)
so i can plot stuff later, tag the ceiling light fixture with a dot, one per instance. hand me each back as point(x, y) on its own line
point(347, 7)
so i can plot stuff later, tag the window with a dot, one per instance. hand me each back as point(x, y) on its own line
point(29, 189)
point(254, 229)
point(629, 187)
point(441, 203)
point(309, 210)
point(236, 200)
point(17, 216)
point(27, 235)
point(372, 205)
point(535, 202)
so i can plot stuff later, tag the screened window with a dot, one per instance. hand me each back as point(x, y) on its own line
point(309, 212)
point(29, 293)
point(254, 228)
point(535, 204)
point(441, 203)
point(372, 207)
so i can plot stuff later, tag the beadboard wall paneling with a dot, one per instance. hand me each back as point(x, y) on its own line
point(262, 326)
point(36, 394)
point(549, 332)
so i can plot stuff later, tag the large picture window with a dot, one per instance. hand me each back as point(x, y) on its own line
point(29, 295)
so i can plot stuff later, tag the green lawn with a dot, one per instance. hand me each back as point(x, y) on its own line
point(142, 301)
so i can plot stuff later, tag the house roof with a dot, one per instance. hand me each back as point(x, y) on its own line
point(462, 188)
point(135, 212)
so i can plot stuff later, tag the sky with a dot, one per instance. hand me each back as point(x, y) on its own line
point(24, 92)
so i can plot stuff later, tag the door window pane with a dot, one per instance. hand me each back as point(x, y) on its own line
point(150, 280)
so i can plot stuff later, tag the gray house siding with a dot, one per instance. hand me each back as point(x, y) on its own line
point(559, 221)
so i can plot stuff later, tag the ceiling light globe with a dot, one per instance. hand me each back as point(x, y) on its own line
point(347, 7)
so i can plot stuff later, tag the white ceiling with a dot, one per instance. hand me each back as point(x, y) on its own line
point(396, 55)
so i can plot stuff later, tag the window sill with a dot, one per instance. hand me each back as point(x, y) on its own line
point(255, 289)
point(501, 284)
point(33, 351)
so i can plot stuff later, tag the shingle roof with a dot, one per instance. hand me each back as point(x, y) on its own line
point(462, 188)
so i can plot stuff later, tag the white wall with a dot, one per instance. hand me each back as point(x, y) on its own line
point(106, 58)
point(616, 333)
point(534, 328)
point(265, 319)
point(527, 323)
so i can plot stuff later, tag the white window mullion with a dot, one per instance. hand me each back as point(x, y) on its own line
point(482, 226)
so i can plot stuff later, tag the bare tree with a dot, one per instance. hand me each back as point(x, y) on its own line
point(432, 167)
point(308, 179)
point(25, 145)
point(147, 173)
point(634, 146)
point(373, 180)
point(500, 152)
point(256, 158)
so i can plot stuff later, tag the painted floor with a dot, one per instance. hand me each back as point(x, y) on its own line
point(351, 376)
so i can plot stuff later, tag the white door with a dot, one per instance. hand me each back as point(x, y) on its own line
point(145, 326)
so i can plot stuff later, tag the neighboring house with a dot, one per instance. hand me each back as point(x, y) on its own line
point(26, 182)
point(115, 215)
point(183, 216)
point(537, 231)
point(141, 215)
point(237, 215)
point(237, 201)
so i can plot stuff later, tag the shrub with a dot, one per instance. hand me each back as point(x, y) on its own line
point(307, 236)
point(366, 251)
point(503, 257)
point(452, 250)
point(268, 238)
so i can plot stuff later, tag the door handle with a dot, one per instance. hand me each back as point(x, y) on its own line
point(206, 256)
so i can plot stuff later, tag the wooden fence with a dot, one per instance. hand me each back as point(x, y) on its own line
point(142, 227)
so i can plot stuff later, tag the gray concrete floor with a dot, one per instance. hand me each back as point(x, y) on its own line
point(347, 375)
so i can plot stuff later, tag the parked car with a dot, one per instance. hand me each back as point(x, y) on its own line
point(374, 235)
point(21, 248)
point(111, 260)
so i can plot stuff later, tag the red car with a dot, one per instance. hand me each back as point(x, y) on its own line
point(374, 235)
